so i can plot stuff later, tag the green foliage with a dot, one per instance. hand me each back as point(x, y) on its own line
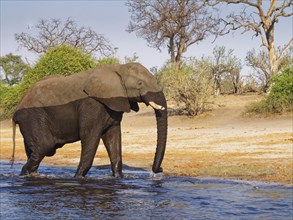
point(190, 87)
point(115, 60)
point(132, 59)
point(13, 68)
point(61, 60)
point(9, 98)
point(280, 98)
point(110, 60)
point(281, 95)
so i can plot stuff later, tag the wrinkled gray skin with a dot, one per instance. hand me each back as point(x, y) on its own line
point(87, 106)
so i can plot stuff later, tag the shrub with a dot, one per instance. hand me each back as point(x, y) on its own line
point(250, 84)
point(190, 87)
point(9, 98)
point(281, 95)
point(61, 60)
point(280, 98)
point(109, 60)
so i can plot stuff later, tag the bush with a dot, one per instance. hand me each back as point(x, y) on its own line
point(61, 60)
point(190, 87)
point(110, 60)
point(9, 98)
point(250, 84)
point(280, 98)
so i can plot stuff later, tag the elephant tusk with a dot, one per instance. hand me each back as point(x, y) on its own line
point(156, 106)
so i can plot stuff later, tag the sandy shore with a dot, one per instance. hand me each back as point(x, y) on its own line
point(221, 143)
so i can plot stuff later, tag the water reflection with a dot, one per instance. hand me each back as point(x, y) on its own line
point(55, 194)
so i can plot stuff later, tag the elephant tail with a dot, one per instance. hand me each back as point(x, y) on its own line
point(13, 141)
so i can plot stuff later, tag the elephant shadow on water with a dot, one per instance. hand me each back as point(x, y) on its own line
point(88, 106)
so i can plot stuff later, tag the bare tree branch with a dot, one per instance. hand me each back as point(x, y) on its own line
point(284, 49)
point(175, 24)
point(262, 22)
point(54, 32)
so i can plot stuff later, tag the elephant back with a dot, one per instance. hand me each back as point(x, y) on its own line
point(54, 91)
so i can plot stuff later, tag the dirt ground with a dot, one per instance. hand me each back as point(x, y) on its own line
point(221, 143)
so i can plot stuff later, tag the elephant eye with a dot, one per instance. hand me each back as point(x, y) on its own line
point(139, 84)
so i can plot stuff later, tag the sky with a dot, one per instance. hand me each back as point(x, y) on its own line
point(111, 19)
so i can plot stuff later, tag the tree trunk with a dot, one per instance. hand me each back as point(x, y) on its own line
point(177, 65)
point(269, 34)
point(172, 52)
point(273, 60)
point(236, 83)
point(217, 85)
point(177, 61)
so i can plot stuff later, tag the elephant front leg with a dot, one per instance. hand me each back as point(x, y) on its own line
point(89, 148)
point(112, 142)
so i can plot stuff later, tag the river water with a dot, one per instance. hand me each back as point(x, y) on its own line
point(55, 194)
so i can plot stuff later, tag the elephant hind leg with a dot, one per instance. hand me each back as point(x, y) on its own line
point(28, 150)
point(33, 160)
point(35, 155)
point(32, 164)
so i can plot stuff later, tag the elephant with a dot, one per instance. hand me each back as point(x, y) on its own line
point(88, 106)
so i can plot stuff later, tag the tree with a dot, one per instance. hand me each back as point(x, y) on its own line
point(225, 64)
point(176, 24)
point(54, 33)
point(61, 60)
point(13, 68)
point(259, 61)
point(190, 87)
point(262, 22)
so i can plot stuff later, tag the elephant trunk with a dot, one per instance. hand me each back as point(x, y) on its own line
point(160, 108)
point(162, 123)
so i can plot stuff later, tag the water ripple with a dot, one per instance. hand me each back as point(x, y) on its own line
point(55, 194)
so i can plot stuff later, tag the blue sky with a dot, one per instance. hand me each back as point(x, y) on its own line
point(111, 18)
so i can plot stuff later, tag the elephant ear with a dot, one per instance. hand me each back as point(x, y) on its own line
point(105, 85)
